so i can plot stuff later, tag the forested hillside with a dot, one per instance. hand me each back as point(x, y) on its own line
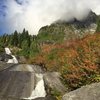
point(23, 43)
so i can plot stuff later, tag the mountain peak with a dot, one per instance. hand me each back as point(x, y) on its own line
point(87, 21)
point(92, 17)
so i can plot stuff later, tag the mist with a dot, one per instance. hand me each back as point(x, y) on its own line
point(34, 14)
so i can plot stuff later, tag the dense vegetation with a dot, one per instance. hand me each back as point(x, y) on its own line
point(78, 61)
point(21, 43)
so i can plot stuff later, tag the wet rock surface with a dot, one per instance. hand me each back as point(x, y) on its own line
point(16, 84)
point(5, 57)
point(17, 81)
point(89, 92)
point(4, 66)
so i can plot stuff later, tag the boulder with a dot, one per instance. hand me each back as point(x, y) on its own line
point(22, 59)
point(52, 80)
point(14, 84)
point(89, 92)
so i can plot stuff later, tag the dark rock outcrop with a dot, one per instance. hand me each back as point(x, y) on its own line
point(86, 22)
point(70, 30)
point(5, 57)
point(4, 66)
point(89, 92)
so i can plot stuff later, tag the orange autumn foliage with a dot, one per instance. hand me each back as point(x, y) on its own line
point(77, 60)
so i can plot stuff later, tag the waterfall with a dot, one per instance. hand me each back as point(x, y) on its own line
point(7, 50)
point(39, 90)
point(14, 59)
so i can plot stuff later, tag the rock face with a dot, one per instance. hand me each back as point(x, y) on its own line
point(81, 28)
point(18, 82)
point(71, 30)
point(89, 92)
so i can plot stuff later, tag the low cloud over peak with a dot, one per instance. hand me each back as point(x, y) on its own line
point(33, 14)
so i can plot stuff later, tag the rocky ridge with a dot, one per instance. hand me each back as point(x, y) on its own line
point(71, 30)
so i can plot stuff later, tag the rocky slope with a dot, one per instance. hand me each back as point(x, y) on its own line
point(23, 81)
point(74, 29)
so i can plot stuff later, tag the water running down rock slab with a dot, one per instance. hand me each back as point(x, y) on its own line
point(14, 59)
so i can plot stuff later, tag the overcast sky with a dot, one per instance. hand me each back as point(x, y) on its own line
point(33, 14)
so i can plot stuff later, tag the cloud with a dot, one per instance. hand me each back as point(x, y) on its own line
point(33, 14)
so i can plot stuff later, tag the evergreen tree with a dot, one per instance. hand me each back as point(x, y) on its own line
point(4, 39)
point(19, 40)
point(98, 25)
point(15, 39)
point(25, 48)
point(34, 48)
